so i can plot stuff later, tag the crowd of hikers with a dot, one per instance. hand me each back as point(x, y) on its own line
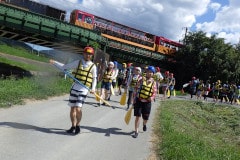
point(228, 92)
point(139, 85)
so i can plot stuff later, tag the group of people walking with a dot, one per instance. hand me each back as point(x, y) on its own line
point(220, 92)
point(142, 86)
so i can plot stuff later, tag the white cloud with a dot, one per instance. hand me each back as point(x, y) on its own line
point(226, 23)
point(215, 6)
point(165, 18)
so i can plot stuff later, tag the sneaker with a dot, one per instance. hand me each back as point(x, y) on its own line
point(99, 104)
point(71, 130)
point(135, 135)
point(144, 128)
point(77, 130)
point(103, 103)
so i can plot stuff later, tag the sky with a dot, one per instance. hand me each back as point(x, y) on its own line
point(167, 18)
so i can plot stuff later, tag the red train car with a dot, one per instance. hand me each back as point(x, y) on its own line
point(125, 34)
point(113, 30)
point(82, 19)
point(166, 46)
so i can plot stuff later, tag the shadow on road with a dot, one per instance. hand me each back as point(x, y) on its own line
point(107, 131)
point(32, 127)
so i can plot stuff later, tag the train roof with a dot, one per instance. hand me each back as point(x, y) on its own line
point(122, 25)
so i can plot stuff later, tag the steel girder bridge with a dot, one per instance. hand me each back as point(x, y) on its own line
point(25, 26)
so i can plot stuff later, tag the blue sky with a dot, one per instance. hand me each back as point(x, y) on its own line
point(211, 13)
point(166, 18)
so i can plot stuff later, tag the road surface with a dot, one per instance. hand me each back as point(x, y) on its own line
point(36, 131)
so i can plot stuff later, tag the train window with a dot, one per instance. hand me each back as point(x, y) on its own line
point(88, 19)
point(80, 16)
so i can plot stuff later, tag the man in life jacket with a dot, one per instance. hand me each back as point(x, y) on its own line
point(120, 77)
point(143, 101)
point(86, 72)
point(171, 84)
point(158, 78)
point(127, 76)
point(216, 90)
point(114, 77)
point(193, 86)
point(107, 81)
point(134, 80)
point(200, 89)
point(164, 84)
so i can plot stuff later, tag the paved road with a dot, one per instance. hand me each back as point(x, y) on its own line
point(36, 131)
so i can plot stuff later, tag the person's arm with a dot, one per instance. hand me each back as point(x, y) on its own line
point(71, 65)
point(154, 92)
point(115, 73)
point(94, 81)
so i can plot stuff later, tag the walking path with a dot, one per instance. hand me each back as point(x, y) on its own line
point(37, 131)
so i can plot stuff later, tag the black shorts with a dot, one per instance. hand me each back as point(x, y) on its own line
point(142, 109)
point(114, 84)
point(120, 81)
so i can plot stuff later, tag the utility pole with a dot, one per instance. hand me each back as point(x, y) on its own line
point(185, 34)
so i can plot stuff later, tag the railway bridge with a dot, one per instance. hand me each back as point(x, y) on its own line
point(25, 26)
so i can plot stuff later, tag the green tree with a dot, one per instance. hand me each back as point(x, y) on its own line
point(207, 58)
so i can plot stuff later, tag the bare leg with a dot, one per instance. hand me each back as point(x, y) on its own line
point(73, 116)
point(137, 122)
point(78, 115)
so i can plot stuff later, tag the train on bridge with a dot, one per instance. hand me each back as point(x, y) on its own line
point(107, 28)
point(125, 34)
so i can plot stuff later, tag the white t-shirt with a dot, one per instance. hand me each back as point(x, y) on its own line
point(74, 65)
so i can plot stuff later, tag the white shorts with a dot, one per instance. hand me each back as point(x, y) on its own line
point(77, 96)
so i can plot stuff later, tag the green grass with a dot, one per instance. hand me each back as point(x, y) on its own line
point(39, 87)
point(20, 52)
point(14, 91)
point(24, 66)
point(191, 130)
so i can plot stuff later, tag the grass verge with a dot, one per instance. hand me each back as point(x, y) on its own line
point(39, 87)
point(193, 130)
point(21, 52)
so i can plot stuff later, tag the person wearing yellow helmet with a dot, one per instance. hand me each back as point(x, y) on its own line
point(171, 84)
point(86, 72)
point(124, 65)
point(216, 90)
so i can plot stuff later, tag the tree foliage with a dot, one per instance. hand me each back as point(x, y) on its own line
point(207, 58)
